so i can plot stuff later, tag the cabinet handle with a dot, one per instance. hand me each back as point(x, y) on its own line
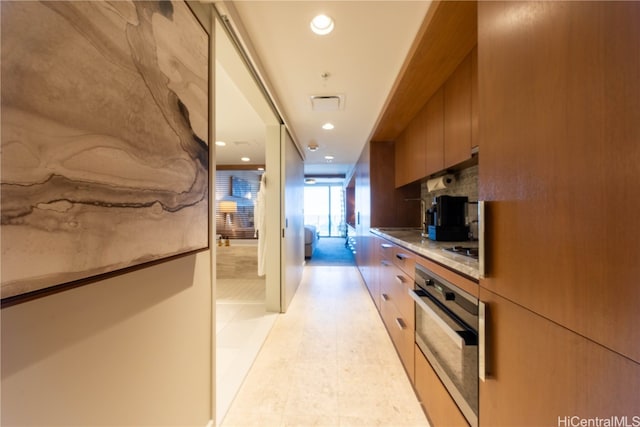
point(402, 257)
point(400, 323)
point(481, 238)
point(385, 246)
point(482, 341)
point(400, 279)
point(385, 297)
point(385, 263)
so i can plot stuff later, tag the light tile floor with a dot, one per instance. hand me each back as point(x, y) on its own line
point(241, 328)
point(328, 361)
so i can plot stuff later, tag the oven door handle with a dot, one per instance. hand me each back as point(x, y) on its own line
point(451, 333)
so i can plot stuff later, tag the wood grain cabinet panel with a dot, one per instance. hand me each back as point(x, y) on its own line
point(440, 408)
point(396, 306)
point(405, 260)
point(401, 148)
point(434, 118)
point(541, 373)
point(559, 109)
point(457, 115)
point(410, 153)
point(401, 331)
point(377, 202)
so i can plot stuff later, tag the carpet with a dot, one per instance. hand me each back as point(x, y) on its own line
point(331, 251)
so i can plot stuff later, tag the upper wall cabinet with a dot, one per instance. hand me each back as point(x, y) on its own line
point(410, 151)
point(434, 116)
point(444, 131)
point(457, 115)
point(447, 35)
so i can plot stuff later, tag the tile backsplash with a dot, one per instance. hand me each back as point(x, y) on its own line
point(466, 184)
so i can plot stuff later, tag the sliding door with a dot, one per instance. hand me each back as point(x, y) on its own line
point(292, 218)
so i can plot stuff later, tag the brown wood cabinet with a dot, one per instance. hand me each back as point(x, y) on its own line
point(457, 115)
point(439, 406)
point(396, 306)
point(377, 202)
point(444, 131)
point(447, 35)
point(401, 332)
point(560, 113)
point(434, 117)
point(540, 372)
point(410, 153)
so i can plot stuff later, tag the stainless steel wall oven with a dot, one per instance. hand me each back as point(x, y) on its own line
point(447, 334)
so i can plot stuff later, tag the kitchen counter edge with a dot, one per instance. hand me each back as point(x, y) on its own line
point(412, 240)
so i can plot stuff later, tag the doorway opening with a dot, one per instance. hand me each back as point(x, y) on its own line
point(324, 208)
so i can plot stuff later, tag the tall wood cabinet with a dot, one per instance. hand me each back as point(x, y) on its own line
point(560, 114)
point(559, 108)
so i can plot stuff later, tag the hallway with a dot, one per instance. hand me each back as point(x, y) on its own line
point(328, 361)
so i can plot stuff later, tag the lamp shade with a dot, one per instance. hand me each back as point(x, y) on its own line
point(226, 206)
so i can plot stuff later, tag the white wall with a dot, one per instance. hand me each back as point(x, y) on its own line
point(132, 350)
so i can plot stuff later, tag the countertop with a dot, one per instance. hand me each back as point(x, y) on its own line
point(411, 238)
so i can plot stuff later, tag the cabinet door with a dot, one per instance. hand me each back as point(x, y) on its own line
point(541, 374)
point(457, 115)
point(405, 260)
point(410, 151)
point(559, 110)
point(440, 408)
point(401, 148)
point(434, 118)
point(401, 331)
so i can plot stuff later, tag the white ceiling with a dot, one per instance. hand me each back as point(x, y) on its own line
point(362, 57)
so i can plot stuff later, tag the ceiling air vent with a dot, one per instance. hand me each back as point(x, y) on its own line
point(327, 102)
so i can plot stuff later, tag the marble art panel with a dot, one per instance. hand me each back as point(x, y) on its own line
point(105, 138)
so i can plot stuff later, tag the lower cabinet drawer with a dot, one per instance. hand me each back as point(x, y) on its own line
point(394, 286)
point(436, 401)
point(401, 331)
point(405, 260)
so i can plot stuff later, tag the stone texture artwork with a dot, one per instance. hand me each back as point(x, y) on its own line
point(104, 138)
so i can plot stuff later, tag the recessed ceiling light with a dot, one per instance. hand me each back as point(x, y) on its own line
point(221, 143)
point(329, 157)
point(245, 159)
point(322, 25)
point(328, 126)
point(313, 147)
